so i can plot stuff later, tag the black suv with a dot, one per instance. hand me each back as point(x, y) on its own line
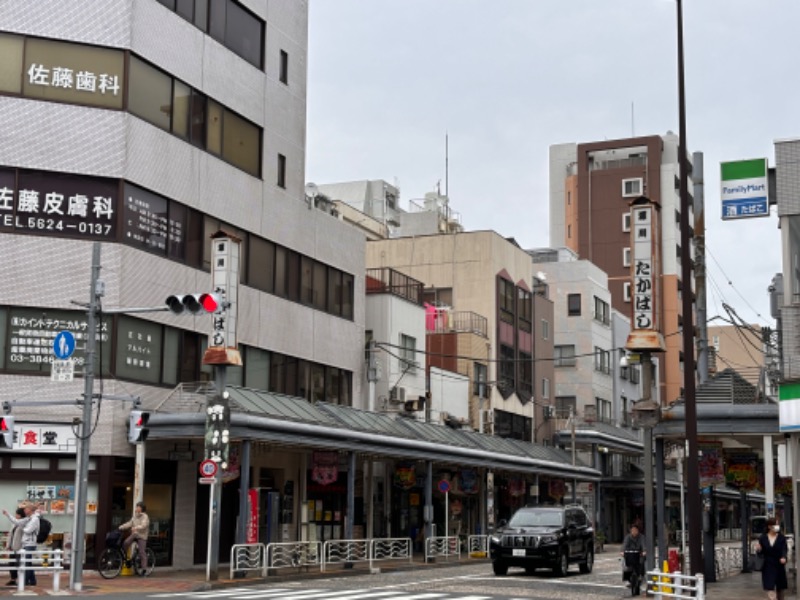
point(543, 536)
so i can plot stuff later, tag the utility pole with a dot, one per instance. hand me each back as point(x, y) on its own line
point(85, 428)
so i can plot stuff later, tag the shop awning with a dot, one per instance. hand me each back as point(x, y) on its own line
point(262, 416)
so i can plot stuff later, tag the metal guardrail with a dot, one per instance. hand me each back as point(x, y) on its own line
point(674, 585)
point(41, 560)
point(248, 557)
point(446, 546)
point(478, 544)
point(390, 549)
point(280, 555)
point(344, 551)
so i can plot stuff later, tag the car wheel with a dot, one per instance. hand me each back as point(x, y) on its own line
point(562, 566)
point(499, 568)
point(588, 562)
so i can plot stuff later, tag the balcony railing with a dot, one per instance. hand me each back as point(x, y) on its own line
point(389, 281)
point(458, 321)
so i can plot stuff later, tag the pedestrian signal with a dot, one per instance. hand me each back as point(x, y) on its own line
point(137, 430)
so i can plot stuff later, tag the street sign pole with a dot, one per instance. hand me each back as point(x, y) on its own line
point(215, 496)
point(84, 438)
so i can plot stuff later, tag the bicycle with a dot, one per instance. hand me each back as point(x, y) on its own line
point(112, 559)
point(634, 566)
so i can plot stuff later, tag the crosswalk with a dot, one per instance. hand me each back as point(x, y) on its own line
point(317, 594)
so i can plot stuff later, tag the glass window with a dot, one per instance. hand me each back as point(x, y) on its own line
point(290, 368)
point(214, 128)
point(194, 238)
point(573, 305)
point(149, 93)
point(320, 286)
point(277, 373)
point(256, 368)
point(280, 270)
point(307, 280)
point(216, 20)
point(170, 4)
point(281, 171)
point(317, 383)
point(244, 34)
point(408, 353)
point(348, 295)
point(507, 379)
point(345, 388)
point(524, 309)
point(303, 379)
point(185, 9)
point(181, 98)
point(564, 356)
point(178, 229)
point(11, 66)
point(201, 14)
point(197, 119)
point(75, 73)
point(332, 385)
point(284, 69)
point(334, 291)
point(261, 265)
point(241, 143)
point(292, 275)
point(506, 300)
point(565, 406)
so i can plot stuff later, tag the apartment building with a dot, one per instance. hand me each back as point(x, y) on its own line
point(592, 186)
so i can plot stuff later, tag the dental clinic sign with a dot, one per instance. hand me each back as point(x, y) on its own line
point(744, 191)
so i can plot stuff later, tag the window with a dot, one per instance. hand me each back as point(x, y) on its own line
point(601, 311)
point(438, 296)
point(626, 257)
point(507, 379)
point(334, 291)
point(348, 294)
point(284, 68)
point(261, 266)
point(632, 187)
point(564, 356)
point(623, 371)
point(626, 222)
point(634, 372)
point(241, 143)
point(565, 406)
point(545, 388)
point(602, 360)
point(526, 372)
point(513, 426)
point(149, 93)
point(320, 286)
point(506, 300)
point(306, 280)
point(626, 291)
point(603, 410)
point(244, 33)
point(480, 376)
point(11, 47)
point(573, 305)
point(408, 352)
point(545, 329)
point(524, 309)
point(281, 171)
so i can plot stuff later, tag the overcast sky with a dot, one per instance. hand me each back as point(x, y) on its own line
point(505, 79)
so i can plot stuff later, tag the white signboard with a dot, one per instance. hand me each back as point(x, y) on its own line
point(63, 370)
point(225, 278)
point(44, 438)
point(643, 280)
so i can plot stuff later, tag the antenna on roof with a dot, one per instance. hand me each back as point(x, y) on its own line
point(633, 127)
point(446, 164)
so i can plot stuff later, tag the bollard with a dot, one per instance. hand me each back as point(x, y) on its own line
point(21, 570)
point(701, 586)
point(57, 573)
point(665, 579)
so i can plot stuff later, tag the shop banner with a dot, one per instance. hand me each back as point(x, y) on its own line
point(252, 516)
point(711, 465)
point(556, 489)
point(468, 481)
point(405, 477)
point(742, 472)
point(325, 469)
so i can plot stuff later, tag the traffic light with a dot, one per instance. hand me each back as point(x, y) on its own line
point(6, 432)
point(137, 429)
point(195, 303)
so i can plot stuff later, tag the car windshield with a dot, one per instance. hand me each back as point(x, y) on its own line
point(536, 518)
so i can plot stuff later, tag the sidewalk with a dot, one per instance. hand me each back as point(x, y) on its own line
point(738, 586)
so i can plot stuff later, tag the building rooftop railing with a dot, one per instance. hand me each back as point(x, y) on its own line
point(457, 321)
point(388, 281)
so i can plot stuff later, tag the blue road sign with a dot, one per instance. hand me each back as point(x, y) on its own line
point(63, 345)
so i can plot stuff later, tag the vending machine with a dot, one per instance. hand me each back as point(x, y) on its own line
point(269, 515)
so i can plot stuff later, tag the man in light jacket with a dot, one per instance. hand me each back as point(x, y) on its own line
point(30, 529)
point(139, 526)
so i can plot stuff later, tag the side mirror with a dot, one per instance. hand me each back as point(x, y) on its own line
point(502, 523)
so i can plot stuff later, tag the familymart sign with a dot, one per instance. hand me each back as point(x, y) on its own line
point(744, 190)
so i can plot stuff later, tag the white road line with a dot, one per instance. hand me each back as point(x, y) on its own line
point(311, 594)
point(213, 593)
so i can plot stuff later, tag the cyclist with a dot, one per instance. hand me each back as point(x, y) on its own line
point(139, 526)
point(633, 543)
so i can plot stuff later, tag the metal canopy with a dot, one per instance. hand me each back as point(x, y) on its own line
point(291, 421)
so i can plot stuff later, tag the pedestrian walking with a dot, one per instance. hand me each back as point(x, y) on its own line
point(15, 540)
point(30, 529)
point(772, 546)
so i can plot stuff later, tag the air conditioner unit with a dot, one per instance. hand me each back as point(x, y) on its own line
point(414, 405)
point(549, 412)
point(397, 394)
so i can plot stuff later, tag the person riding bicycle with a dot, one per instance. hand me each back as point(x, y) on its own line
point(139, 526)
point(634, 542)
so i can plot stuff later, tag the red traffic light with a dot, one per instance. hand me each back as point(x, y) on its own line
point(4, 424)
point(210, 302)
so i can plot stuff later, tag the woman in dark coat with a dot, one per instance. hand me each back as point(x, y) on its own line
point(772, 545)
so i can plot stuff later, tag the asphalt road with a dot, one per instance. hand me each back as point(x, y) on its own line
point(465, 582)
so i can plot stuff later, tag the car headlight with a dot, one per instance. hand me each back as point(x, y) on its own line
point(547, 539)
point(494, 539)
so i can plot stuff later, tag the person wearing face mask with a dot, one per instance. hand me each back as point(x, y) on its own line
point(772, 545)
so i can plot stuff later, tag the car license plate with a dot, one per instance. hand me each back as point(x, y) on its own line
point(518, 552)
